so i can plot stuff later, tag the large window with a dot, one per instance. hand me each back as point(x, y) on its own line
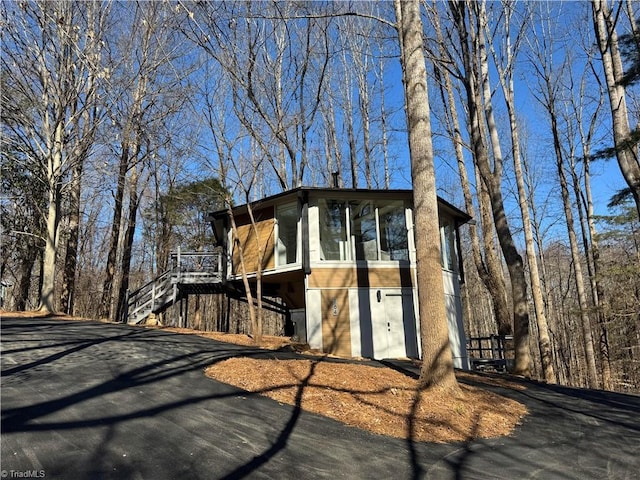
point(363, 230)
point(364, 233)
point(333, 230)
point(394, 243)
point(448, 244)
point(287, 244)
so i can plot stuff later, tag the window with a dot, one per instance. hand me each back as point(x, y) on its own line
point(394, 242)
point(374, 231)
point(287, 244)
point(447, 244)
point(363, 230)
point(333, 230)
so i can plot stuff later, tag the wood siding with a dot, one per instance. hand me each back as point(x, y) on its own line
point(336, 322)
point(361, 278)
point(265, 226)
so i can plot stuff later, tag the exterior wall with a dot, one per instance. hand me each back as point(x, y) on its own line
point(336, 321)
point(368, 312)
point(376, 302)
point(362, 276)
point(265, 226)
point(457, 338)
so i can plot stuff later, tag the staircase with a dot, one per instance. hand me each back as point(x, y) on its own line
point(191, 272)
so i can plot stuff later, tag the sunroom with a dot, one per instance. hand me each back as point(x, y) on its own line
point(343, 263)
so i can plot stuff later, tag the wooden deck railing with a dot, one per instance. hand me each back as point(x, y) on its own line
point(187, 268)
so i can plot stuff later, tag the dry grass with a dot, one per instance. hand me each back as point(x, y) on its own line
point(377, 399)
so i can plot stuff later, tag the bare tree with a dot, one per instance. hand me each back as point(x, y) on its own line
point(505, 74)
point(626, 148)
point(151, 90)
point(276, 59)
point(475, 80)
point(489, 268)
point(96, 16)
point(579, 116)
point(238, 171)
point(549, 96)
point(50, 52)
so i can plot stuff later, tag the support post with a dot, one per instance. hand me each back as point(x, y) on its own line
point(186, 310)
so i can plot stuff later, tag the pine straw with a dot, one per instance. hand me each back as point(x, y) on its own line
point(377, 399)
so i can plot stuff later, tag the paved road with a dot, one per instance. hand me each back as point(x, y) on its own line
point(85, 400)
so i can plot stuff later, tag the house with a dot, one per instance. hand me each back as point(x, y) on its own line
point(343, 263)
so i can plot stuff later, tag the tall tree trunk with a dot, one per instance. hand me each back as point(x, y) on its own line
point(383, 127)
point(47, 289)
point(506, 81)
point(53, 128)
point(626, 151)
point(86, 130)
point(544, 342)
point(495, 278)
point(67, 296)
point(591, 242)
point(490, 272)
point(595, 291)
point(256, 326)
point(492, 179)
point(592, 374)
point(602, 310)
point(237, 243)
point(437, 360)
point(110, 269)
point(125, 265)
point(353, 148)
point(364, 105)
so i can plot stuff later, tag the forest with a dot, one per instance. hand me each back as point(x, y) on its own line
point(124, 123)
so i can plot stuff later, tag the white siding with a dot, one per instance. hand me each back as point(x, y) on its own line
point(457, 339)
point(314, 319)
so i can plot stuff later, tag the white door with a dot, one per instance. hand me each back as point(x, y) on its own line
point(394, 325)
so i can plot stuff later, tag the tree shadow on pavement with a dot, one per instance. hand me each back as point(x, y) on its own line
point(66, 376)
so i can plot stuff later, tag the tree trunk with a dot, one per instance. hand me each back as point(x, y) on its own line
point(437, 361)
point(544, 340)
point(592, 374)
point(125, 265)
point(490, 272)
point(71, 255)
point(495, 275)
point(110, 269)
point(383, 127)
point(351, 136)
point(47, 290)
point(626, 152)
point(236, 243)
point(602, 310)
point(86, 129)
point(492, 180)
point(506, 81)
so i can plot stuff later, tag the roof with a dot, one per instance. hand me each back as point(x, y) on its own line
point(282, 197)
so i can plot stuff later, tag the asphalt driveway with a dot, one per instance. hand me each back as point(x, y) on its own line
point(87, 400)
